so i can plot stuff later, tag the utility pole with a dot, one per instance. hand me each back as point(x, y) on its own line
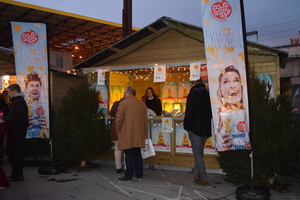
point(127, 18)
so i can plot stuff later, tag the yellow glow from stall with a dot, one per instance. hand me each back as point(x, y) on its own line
point(177, 106)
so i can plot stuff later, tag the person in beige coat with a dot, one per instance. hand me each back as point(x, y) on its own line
point(132, 130)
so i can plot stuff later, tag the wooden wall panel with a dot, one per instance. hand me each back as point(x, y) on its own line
point(59, 82)
point(172, 47)
point(267, 65)
point(165, 158)
point(141, 85)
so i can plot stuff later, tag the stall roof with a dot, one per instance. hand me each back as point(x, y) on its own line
point(65, 30)
point(7, 62)
point(129, 44)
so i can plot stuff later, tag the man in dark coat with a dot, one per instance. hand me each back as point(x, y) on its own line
point(17, 123)
point(197, 122)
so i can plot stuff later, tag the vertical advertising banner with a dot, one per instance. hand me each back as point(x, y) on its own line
point(225, 56)
point(31, 62)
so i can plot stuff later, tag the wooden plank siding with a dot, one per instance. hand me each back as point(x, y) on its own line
point(172, 47)
point(267, 65)
point(165, 158)
point(59, 82)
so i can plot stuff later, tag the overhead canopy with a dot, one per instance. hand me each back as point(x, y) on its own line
point(165, 41)
point(65, 30)
point(7, 62)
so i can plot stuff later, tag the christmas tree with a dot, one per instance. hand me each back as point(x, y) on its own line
point(274, 137)
point(80, 132)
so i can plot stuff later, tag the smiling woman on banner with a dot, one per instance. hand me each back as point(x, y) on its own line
point(232, 128)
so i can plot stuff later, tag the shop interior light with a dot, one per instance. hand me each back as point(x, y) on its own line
point(177, 106)
point(6, 78)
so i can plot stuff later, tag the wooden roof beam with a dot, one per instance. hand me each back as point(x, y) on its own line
point(152, 29)
point(115, 49)
point(181, 25)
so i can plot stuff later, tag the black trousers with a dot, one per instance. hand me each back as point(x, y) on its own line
point(134, 162)
point(15, 140)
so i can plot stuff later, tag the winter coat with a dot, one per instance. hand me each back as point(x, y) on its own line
point(17, 117)
point(113, 113)
point(198, 111)
point(131, 123)
point(155, 105)
point(3, 107)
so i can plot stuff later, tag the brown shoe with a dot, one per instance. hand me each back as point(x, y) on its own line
point(196, 177)
point(199, 182)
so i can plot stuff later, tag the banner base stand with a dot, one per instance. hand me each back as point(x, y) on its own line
point(247, 192)
point(51, 170)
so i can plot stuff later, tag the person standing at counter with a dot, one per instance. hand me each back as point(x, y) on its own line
point(114, 136)
point(152, 101)
point(132, 130)
point(197, 122)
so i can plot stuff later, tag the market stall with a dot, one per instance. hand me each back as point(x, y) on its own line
point(175, 46)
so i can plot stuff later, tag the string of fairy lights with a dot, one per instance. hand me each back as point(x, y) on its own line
point(182, 73)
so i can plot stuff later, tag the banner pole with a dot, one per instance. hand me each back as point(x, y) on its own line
point(249, 192)
point(252, 174)
point(51, 153)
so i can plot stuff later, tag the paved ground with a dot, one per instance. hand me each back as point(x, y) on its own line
point(101, 183)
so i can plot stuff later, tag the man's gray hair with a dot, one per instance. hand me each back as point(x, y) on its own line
point(131, 90)
point(199, 81)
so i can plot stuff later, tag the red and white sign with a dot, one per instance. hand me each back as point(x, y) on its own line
point(29, 38)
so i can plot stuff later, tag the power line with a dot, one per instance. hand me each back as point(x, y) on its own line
point(277, 26)
point(267, 22)
point(274, 10)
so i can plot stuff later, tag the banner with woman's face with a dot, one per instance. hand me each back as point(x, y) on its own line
point(224, 48)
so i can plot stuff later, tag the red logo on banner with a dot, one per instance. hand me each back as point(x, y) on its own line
point(29, 38)
point(221, 10)
point(241, 126)
point(39, 111)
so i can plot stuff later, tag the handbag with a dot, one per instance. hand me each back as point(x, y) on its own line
point(148, 150)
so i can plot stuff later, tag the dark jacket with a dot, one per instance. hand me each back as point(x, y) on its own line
point(113, 113)
point(3, 107)
point(17, 117)
point(198, 111)
point(155, 105)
